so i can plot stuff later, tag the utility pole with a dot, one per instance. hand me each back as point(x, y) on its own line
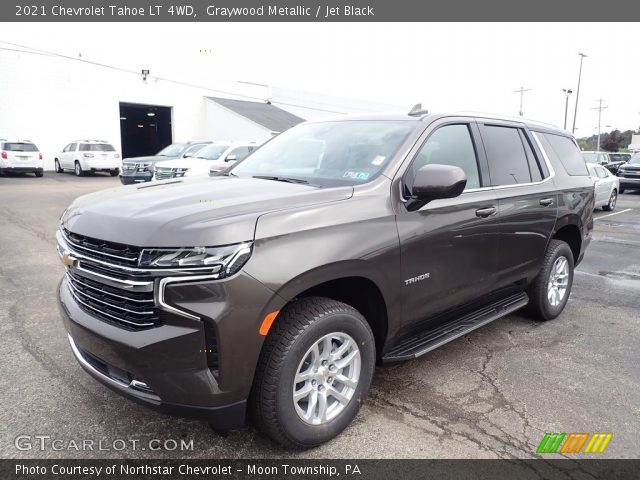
point(575, 113)
point(599, 108)
point(521, 92)
point(567, 92)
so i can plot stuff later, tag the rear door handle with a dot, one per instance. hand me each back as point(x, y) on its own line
point(545, 202)
point(485, 212)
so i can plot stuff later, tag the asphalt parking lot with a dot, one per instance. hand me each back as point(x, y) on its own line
point(490, 394)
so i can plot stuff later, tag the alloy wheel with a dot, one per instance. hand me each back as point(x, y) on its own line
point(558, 281)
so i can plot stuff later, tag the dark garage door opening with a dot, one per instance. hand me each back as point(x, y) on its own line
point(144, 129)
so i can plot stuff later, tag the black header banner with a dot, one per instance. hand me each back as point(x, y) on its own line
point(569, 469)
point(314, 10)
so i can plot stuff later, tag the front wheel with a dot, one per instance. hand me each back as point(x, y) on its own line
point(58, 167)
point(114, 172)
point(621, 190)
point(612, 201)
point(314, 372)
point(550, 290)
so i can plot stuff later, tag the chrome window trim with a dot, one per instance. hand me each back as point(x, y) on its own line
point(552, 174)
point(134, 385)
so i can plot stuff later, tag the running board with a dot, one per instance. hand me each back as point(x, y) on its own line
point(428, 340)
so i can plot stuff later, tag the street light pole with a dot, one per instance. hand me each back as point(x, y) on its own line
point(521, 92)
point(575, 113)
point(599, 108)
point(567, 92)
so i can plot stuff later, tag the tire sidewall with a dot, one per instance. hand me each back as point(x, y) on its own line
point(551, 311)
point(336, 322)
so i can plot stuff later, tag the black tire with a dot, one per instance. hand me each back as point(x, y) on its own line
point(609, 207)
point(78, 169)
point(621, 189)
point(296, 329)
point(114, 172)
point(539, 304)
point(38, 174)
point(59, 169)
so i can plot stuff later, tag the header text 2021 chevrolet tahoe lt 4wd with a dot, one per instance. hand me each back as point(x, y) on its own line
point(274, 288)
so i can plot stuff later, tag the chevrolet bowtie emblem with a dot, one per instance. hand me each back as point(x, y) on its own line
point(69, 260)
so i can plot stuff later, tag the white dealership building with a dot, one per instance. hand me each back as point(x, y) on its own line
point(55, 99)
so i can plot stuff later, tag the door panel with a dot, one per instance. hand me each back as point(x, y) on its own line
point(448, 254)
point(528, 216)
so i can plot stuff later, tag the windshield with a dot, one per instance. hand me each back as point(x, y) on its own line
point(328, 154)
point(211, 152)
point(20, 147)
point(96, 147)
point(590, 157)
point(193, 149)
point(635, 160)
point(619, 157)
point(173, 150)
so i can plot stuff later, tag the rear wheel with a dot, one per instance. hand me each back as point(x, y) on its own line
point(38, 174)
point(612, 201)
point(78, 169)
point(621, 189)
point(314, 372)
point(550, 291)
point(59, 169)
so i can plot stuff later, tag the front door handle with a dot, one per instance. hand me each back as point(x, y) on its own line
point(546, 202)
point(485, 212)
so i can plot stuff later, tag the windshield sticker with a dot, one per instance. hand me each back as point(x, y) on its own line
point(377, 161)
point(356, 175)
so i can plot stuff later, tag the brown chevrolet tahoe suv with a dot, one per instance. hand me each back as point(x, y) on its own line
point(272, 290)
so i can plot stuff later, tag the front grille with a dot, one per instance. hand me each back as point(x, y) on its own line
point(135, 310)
point(129, 167)
point(115, 253)
point(164, 173)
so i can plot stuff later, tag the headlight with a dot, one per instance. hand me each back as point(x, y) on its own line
point(143, 167)
point(225, 260)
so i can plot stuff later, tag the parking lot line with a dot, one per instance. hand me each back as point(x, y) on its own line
point(614, 213)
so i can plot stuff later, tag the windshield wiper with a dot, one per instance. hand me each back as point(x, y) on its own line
point(281, 179)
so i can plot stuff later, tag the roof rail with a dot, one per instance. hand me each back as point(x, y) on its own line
point(509, 117)
point(417, 110)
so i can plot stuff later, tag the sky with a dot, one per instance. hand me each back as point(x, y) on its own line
point(446, 66)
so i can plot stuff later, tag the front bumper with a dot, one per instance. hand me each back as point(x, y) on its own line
point(626, 182)
point(165, 367)
point(136, 177)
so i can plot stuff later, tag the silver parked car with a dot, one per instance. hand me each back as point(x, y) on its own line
point(607, 186)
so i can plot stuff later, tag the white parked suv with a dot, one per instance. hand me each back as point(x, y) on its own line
point(216, 157)
point(20, 156)
point(84, 156)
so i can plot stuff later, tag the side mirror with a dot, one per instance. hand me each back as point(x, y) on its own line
point(436, 181)
point(187, 155)
point(230, 158)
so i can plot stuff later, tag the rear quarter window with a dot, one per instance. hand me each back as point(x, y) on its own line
point(96, 147)
point(565, 151)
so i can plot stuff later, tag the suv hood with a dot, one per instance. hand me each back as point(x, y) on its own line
point(189, 212)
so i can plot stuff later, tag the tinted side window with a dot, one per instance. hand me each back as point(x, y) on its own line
point(508, 163)
point(601, 172)
point(566, 151)
point(534, 166)
point(72, 147)
point(448, 145)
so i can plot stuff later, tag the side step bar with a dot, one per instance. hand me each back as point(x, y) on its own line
point(428, 340)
